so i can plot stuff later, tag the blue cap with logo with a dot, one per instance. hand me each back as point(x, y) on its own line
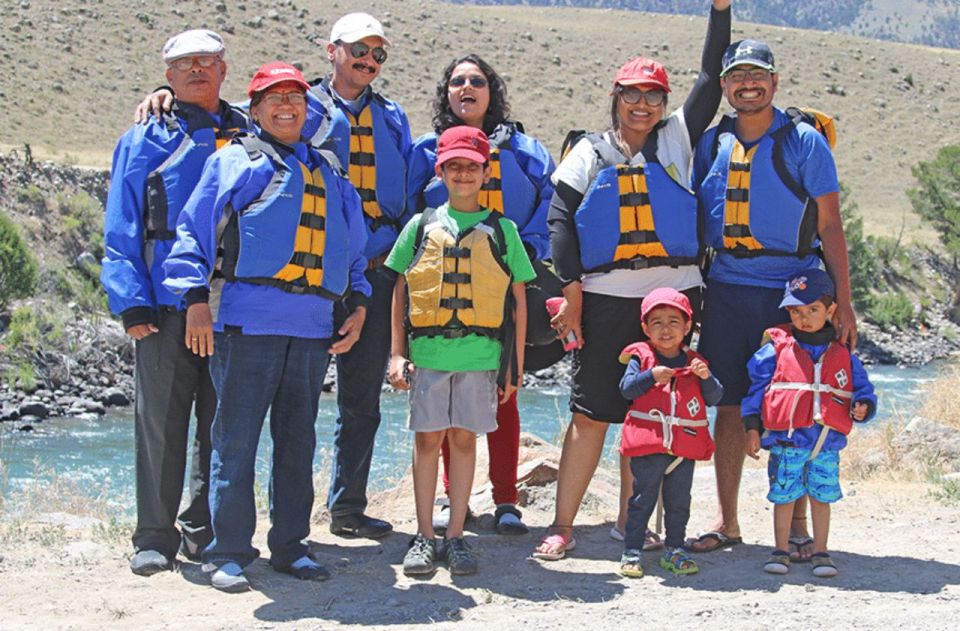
point(807, 287)
point(747, 52)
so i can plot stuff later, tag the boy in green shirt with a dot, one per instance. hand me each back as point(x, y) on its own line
point(460, 287)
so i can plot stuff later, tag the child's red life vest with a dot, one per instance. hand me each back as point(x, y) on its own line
point(802, 392)
point(668, 418)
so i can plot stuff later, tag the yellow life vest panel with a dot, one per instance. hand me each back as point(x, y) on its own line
point(457, 284)
point(491, 193)
point(362, 170)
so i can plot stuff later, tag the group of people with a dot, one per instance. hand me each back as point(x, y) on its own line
point(247, 244)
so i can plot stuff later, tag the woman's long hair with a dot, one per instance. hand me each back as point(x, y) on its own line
point(497, 112)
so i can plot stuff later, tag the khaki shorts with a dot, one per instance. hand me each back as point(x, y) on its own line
point(442, 400)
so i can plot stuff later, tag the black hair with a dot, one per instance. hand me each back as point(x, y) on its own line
point(497, 112)
point(826, 299)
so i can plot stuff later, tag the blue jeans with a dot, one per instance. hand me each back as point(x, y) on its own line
point(359, 380)
point(252, 373)
point(648, 476)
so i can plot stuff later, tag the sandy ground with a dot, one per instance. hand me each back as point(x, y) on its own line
point(896, 549)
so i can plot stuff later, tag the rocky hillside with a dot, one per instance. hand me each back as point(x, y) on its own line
point(81, 66)
point(930, 22)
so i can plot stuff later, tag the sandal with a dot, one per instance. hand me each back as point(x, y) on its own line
point(778, 563)
point(630, 564)
point(797, 543)
point(678, 562)
point(700, 544)
point(823, 566)
point(651, 540)
point(509, 520)
point(561, 543)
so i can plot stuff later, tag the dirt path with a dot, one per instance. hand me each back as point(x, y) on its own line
point(897, 549)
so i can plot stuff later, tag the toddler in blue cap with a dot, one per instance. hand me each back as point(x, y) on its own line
point(806, 392)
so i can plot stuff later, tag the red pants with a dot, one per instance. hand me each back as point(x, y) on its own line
point(504, 449)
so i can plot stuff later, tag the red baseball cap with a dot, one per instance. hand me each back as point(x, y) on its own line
point(665, 297)
point(463, 142)
point(643, 71)
point(273, 73)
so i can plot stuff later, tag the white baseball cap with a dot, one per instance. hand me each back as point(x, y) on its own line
point(355, 26)
point(194, 42)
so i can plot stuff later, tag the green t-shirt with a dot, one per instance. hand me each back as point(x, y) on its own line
point(471, 352)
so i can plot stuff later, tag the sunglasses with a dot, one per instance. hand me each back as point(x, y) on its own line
point(475, 81)
point(186, 63)
point(632, 96)
point(739, 76)
point(359, 50)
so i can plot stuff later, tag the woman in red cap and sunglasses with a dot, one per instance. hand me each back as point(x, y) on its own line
point(272, 236)
point(623, 222)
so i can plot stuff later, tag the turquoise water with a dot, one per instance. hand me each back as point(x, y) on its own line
point(98, 455)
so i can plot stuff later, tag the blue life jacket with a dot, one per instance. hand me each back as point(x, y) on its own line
point(326, 126)
point(294, 236)
point(765, 211)
point(506, 174)
point(169, 185)
point(635, 216)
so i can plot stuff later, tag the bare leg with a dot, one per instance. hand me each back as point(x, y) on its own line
point(582, 446)
point(821, 524)
point(426, 454)
point(782, 513)
point(626, 490)
point(463, 458)
point(798, 529)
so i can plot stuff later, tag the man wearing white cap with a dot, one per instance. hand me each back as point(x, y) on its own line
point(155, 169)
point(378, 145)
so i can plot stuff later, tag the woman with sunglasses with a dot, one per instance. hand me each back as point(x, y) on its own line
point(623, 222)
point(272, 237)
point(471, 93)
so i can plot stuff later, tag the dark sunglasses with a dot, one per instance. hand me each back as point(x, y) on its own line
point(359, 49)
point(475, 81)
point(632, 96)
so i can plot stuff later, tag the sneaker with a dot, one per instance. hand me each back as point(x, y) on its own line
point(149, 562)
point(459, 558)
point(630, 564)
point(359, 525)
point(421, 557)
point(229, 578)
point(441, 518)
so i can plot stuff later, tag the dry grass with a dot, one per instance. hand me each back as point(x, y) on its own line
point(941, 398)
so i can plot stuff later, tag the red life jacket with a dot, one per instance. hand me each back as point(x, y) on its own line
point(801, 392)
point(668, 418)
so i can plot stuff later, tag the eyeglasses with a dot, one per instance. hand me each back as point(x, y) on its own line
point(475, 81)
point(359, 50)
point(186, 63)
point(632, 96)
point(739, 76)
point(277, 98)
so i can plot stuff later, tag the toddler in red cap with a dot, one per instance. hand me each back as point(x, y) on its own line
point(665, 430)
point(458, 328)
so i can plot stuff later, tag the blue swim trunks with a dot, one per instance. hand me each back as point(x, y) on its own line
point(792, 475)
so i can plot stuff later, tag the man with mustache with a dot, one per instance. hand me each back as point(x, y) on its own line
point(769, 198)
point(156, 166)
point(378, 145)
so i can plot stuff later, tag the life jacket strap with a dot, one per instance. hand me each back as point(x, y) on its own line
point(645, 263)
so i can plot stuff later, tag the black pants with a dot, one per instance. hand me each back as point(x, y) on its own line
point(648, 474)
point(170, 379)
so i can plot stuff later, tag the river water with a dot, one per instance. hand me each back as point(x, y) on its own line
point(98, 455)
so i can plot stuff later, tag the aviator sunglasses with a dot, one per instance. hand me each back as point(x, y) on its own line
point(475, 81)
point(184, 64)
point(359, 49)
point(632, 96)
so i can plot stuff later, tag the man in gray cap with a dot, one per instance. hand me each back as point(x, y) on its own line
point(155, 168)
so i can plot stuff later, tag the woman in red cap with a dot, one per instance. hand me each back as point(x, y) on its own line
point(471, 93)
point(623, 222)
point(272, 236)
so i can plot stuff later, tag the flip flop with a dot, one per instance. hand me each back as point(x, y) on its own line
point(797, 542)
point(556, 540)
point(722, 541)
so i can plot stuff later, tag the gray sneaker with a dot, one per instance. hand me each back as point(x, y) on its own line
point(459, 558)
point(421, 557)
point(229, 578)
point(149, 562)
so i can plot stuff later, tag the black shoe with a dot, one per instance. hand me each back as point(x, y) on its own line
point(149, 562)
point(459, 557)
point(307, 570)
point(359, 525)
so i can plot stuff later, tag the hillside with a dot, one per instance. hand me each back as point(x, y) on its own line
point(83, 65)
point(929, 22)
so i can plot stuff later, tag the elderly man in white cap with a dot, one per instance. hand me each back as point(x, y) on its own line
point(155, 169)
point(378, 145)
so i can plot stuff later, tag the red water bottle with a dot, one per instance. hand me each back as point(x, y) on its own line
point(553, 308)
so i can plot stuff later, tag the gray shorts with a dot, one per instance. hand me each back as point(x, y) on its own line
point(442, 400)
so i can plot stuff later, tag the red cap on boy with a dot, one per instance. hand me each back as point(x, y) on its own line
point(463, 142)
point(665, 297)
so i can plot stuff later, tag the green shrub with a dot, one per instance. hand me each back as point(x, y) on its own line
point(891, 310)
point(18, 269)
point(937, 196)
point(24, 330)
point(860, 254)
point(82, 222)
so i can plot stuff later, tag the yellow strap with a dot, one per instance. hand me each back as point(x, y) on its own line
point(634, 218)
point(491, 195)
point(364, 178)
point(308, 240)
point(737, 213)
